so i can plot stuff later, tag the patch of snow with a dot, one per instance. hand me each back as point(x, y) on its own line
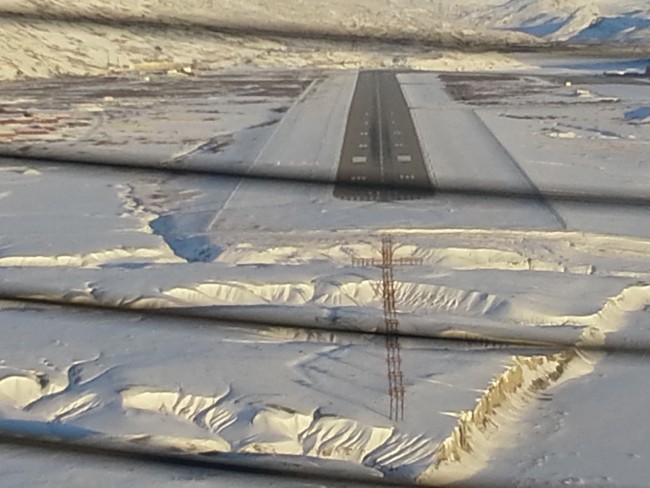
point(561, 134)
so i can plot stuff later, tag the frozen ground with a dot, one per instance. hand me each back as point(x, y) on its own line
point(285, 254)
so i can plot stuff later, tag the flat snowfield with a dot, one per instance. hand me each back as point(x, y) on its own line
point(341, 277)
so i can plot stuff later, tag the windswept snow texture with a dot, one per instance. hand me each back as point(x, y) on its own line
point(279, 256)
point(601, 20)
point(199, 387)
point(315, 396)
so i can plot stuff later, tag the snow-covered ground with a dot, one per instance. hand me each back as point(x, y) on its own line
point(283, 253)
point(274, 354)
point(24, 466)
point(181, 385)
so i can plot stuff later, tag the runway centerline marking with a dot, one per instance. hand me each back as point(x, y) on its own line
point(381, 129)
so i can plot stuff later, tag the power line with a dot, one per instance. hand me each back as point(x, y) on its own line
point(195, 317)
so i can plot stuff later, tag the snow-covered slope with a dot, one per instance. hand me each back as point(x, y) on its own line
point(591, 20)
point(420, 18)
point(573, 20)
point(53, 37)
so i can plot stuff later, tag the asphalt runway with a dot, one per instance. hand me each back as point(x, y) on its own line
point(381, 158)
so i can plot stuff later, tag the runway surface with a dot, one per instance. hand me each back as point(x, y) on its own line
point(381, 146)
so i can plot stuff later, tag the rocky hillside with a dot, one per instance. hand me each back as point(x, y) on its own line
point(41, 38)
